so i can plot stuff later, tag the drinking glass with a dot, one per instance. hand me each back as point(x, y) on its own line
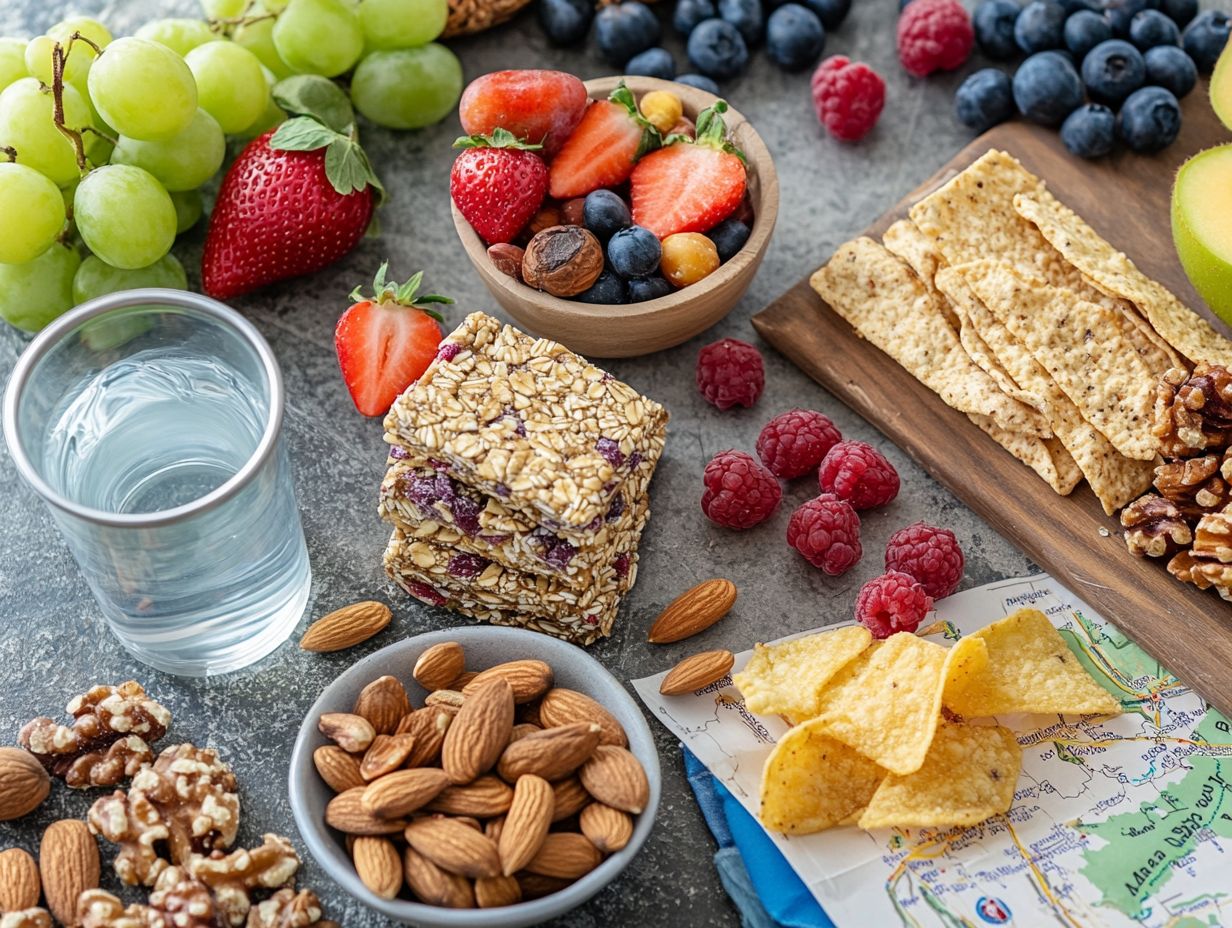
point(150, 423)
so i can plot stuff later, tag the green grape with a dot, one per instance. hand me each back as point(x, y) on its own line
point(96, 277)
point(274, 6)
point(98, 149)
point(179, 35)
point(223, 9)
point(12, 61)
point(27, 194)
point(188, 209)
point(124, 216)
point(80, 54)
point(258, 38)
point(34, 293)
point(318, 37)
point(92, 29)
point(27, 124)
point(401, 23)
point(230, 84)
point(182, 162)
point(407, 88)
point(143, 89)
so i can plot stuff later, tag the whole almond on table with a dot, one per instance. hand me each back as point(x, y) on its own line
point(562, 706)
point(427, 726)
point(352, 733)
point(495, 891)
point(570, 797)
point(378, 864)
point(383, 702)
point(386, 754)
point(20, 886)
point(696, 671)
point(565, 854)
point(480, 731)
point(346, 627)
point(400, 793)
point(693, 611)
point(615, 777)
point(339, 769)
point(454, 846)
point(553, 753)
point(485, 797)
point(347, 813)
point(608, 829)
point(434, 886)
point(526, 823)
point(24, 784)
point(439, 666)
point(529, 679)
point(69, 865)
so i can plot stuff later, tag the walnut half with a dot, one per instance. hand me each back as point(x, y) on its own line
point(1193, 412)
point(1196, 485)
point(1204, 575)
point(1213, 537)
point(1154, 527)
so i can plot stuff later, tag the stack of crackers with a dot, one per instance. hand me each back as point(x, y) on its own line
point(1005, 303)
point(517, 483)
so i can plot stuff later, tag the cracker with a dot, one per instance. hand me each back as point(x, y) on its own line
point(1046, 456)
point(905, 241)
point(787, 678)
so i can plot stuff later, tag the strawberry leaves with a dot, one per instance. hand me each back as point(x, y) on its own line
point(500, 138)
point(711, 132)
point(651, 139)
point(387, 292)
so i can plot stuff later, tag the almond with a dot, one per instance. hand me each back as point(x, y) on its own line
point(387, 754)
point(352, 733)
point(439, 666)
point(529, 679)
point(552, 753)
point(565, 854)
point(463, 679)
point(563, 707)
point(383, 702)
point(692, 611)
point(485, 797)
point(527, 822)
point(24, 784)
point(493, 828)
point(20, 886)
point(696, 671)
point(69, 865)
point(430, 884)
point(615, 777)
point(346, 627)
point(448, 700)
point(608, 829)
point(347, 813)
point(379, 865)
point(399, 793)
point(496, 891)
point(428, 726)
point(454, 846)
point(337, 768)
point(570, 797)
point(480, 731)
point(535, 886)
point(521, 730)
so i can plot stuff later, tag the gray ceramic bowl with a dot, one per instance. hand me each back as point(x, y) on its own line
point(485, 646)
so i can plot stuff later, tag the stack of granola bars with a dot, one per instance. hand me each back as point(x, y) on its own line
point(517, 483)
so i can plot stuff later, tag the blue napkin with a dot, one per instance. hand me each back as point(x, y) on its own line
point(755, 874)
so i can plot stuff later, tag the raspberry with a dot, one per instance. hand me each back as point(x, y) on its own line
point(730, 372)
point(893, 602)
point(858, 472)
point(826, 530)
point(934, 35)
point(740, 493)
point(929, 554)
point(793, 443)
point(848, 97)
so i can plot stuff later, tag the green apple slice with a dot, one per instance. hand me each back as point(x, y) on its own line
point(1202, 225)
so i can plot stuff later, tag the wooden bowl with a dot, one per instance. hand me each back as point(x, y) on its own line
point(621, 331)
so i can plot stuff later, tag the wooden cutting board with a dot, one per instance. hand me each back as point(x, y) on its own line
point(1126, 199)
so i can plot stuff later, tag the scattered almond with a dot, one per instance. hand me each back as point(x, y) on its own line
point(347, 813)
point(615, 777)
point(527, 822)
point(352, 733)
point(400, 793)
point(337, 768)
point(565, 854)
point(693, 611)
point(379, 865)
point(496, 891)
point(383, 702)
point(480, 731)
point(570, 797)
point(24, 784)
point(529, 679)
point(434, 886)
point(608, 829)
point(346, 627)
point(428, 726)
point(386, 754)
point(20, 886)
point(485, 797)
point(454, 846)
point(552, 753)
point(562, 706)
point(696, 671)
point(439, 666)
point(68, 865)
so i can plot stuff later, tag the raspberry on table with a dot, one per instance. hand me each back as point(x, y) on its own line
point(730, 373)
point(740, 493)
point(858, 472)
point(934, 35)
point(929, 554)
point(826, 530)
point(793, 443)
point(848, 97)
point(893, 602)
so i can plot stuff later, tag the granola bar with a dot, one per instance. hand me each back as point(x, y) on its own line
point(528, 421)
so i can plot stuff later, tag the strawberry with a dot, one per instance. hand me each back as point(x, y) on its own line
point(385, 343)
point(690, 185)
point(536, 106)
point(603, 148)
point(497, 183)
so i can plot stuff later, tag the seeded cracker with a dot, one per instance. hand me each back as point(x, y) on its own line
point(1046, 456)
point(904, 240)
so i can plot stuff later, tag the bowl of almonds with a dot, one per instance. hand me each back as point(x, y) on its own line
point(475, 776)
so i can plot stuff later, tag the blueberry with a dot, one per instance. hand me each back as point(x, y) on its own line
point(1083, 31)
point(1205, 37)
point(994, 28)
point(1047, 88)
point(716, 49)
point(700, 81)
point(729, 237)
point(1113, 70)
point(605, 214)
point(1150, 120)
point(634, 252)
point(1121, 13)
point(642, 289)
point(794, 37)
point(1169, 67)
point(624, 29)
point(1089, 131)
point(608, 289)
point(1040, 26)
point(830, 12)
point(1151, 28)
point(1077, 6)
point(985, 99)
point(689, 13)
point(745, 15)
point(565, 22)
point(654, 62)
point(1181, 11)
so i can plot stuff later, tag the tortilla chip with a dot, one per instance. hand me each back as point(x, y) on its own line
point(1114, 274)
point(786, 679)
point(886, 702)
point(968, 777)
point(1046, 456)
point(812, 782)
point(968, 659)
point(1030, 669)
point(905, 241)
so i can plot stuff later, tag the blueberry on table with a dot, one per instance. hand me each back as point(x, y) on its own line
point(1047, 88)
point(1151, 28)
point(1150, 120)
point(605, 214)
point(634, 252)
point(717, 49)
point(1113, 70)
point(1089, 131)
point(607, 289)
point(985, 99)
point(700, 81)
point(830, 12)
point(729, 237)
point(642, 289)
point(625, 29)
point(654, 62)
point(1204, 39)
point(1121, 13)
point(795, 37)
point(565, 22)
point(1169, 67)
point(1083, 31)
point(994, 28)
point(745, 15)
point(1180, 11)
point(1040, 26)
point(689, 13)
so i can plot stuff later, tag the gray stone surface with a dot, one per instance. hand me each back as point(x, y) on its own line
point(53, 644)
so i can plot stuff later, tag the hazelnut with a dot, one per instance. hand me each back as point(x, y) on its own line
point(547, 217)
point(563, 260)
point(573, 212)
point(507, 258)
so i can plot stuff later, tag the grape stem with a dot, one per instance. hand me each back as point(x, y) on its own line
point(59, 58)
point(246, 18)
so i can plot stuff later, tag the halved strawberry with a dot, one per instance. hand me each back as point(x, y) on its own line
point(385, 343)
point(690, 185)
point(604, 147)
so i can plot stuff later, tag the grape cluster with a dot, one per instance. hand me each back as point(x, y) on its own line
point(105, 143)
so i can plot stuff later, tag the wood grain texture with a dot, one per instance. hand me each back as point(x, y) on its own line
point(1126, 199)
